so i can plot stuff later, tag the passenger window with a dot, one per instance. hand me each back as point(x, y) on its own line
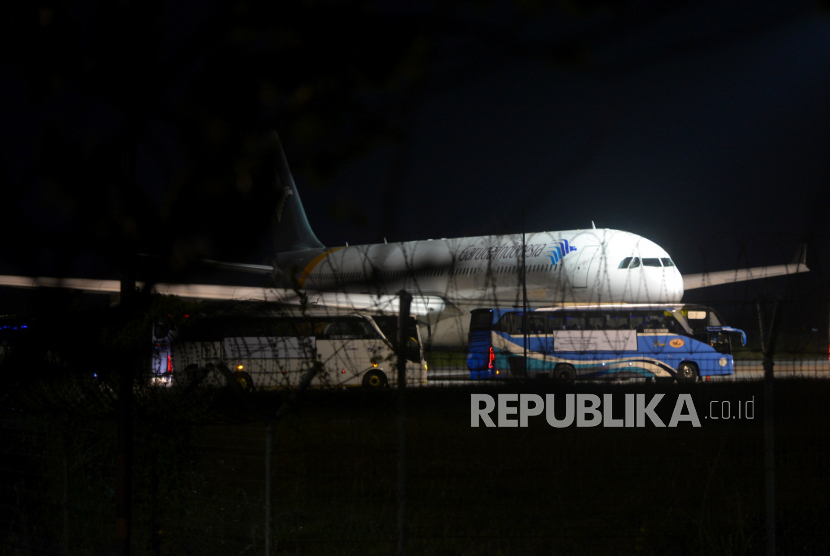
point(595, 323)
point(535, 325)
point(657, 321)
point(347, 329)
point(510, 323)
point(649, 321)
point(616, 321)
point(555, 322)
point(672, 324)
point(574, 322)
point(625, 262)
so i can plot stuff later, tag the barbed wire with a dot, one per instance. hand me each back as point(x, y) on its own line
point(200, 438)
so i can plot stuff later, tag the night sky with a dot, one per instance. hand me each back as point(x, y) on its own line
point(137, 127)
point(703, 127)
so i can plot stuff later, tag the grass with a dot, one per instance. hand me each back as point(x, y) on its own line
point(534, 490)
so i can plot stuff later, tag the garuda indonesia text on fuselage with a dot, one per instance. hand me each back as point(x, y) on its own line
point(449, 277)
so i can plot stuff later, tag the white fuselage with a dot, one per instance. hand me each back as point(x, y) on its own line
point(577, 266)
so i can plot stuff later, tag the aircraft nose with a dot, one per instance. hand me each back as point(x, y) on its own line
point(675, 285)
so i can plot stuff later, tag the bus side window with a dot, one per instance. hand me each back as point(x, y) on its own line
point(638, 321)
point(595, 323)
point(535, 324)
point(654, 320)
point(616, 321)
point(672, 324)
point(348, 328)
point(510, 323)
point(555, 322)
point(575, 321)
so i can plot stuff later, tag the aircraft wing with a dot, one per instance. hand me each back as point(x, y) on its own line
point(428, 308)
point(241, 267)
point(114, 286)
point(694, 281)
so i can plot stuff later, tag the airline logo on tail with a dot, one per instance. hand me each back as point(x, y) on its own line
point(559, 251)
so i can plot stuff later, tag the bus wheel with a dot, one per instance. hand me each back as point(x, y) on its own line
point(565, 374)
point(374, 380)
point(244, 381)
point(686, 372)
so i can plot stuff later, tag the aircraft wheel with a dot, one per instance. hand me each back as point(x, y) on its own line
point(244, 380)
point(565, 374)
point(375, 380)
point(686, 372)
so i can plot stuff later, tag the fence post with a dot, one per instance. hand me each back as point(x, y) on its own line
point(65, 499)
point(124, 449)
point(269, 454)
point(403, 319)
point(768, 347)
point(524, 297)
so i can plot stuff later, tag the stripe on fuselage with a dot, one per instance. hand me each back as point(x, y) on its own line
point(314, 262)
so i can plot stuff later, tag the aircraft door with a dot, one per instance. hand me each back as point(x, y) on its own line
point(583, 264)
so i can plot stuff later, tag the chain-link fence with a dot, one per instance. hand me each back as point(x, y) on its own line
point(222, 469)
point(201, 489)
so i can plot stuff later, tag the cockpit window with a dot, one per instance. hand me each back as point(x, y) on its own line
point(635, 262)
point(652, 262)
point(625, 262)
point(667, 261)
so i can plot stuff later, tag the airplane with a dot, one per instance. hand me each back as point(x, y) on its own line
point(448, 278)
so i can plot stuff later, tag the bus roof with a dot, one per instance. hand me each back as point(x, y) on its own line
point(672, 307)
point(612, 307)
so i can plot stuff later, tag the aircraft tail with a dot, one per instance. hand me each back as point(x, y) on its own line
point(291, 229)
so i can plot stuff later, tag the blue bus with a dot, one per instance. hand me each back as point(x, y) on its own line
point(672, 341)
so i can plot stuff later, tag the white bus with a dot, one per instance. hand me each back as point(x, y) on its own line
point(276, 351)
